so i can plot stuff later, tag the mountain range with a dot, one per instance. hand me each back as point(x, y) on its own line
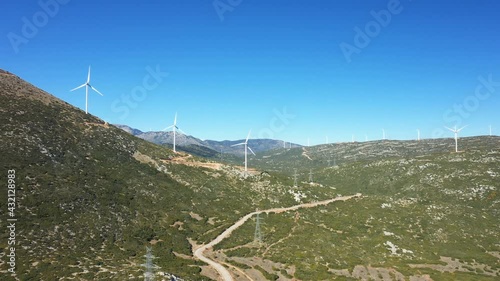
point(208, 148)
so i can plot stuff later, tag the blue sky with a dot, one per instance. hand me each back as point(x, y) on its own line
point(280, 68)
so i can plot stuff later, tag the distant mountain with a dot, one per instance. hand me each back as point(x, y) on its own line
point(207, 148)
point(257, 145)
point(130, 130)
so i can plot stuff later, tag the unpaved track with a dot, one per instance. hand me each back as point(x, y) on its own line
point(223, 272)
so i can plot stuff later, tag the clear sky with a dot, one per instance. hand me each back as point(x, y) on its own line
point(286, 69)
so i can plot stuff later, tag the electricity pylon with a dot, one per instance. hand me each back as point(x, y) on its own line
point(149, 274)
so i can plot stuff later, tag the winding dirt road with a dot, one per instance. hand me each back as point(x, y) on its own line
point(223, 272)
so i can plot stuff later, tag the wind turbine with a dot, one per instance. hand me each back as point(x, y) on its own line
point(490, 130)
point(418, 134)
point(246, 150)
point(87, 86)
point(456, 131)
point(383, 134)
point(174, 128)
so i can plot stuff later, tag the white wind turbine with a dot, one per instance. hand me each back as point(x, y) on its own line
point(87, 86)
point(246, 150)
point(456, 131)
point(383, 134)
point(418, 134)
point(174, 129)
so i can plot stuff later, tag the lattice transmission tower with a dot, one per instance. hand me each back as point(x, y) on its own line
point(149, 273)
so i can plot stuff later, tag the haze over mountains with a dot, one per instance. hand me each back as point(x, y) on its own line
point(90, 198)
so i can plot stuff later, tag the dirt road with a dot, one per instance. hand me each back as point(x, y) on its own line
point(223, 272)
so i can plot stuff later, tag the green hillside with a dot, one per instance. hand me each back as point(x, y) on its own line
point(419, 211)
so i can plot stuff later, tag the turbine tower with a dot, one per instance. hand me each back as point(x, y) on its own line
point(383, 134)
point(87, 86)
point(418, 134)
point(247, 148)
point(174, 129)
point(490, 130)
point(456, 131)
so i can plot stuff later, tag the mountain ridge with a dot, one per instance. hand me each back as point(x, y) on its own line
point(225, 146)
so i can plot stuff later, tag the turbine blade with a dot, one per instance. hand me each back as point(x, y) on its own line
point(248, 135)
point(168, 127)
point(453, 130)
point(78, 87)
point(462, 128)
point(251, 150)
point(96, 90)
point(88, 77)
point(175, 119)
point(181, 131)
point(238, 144)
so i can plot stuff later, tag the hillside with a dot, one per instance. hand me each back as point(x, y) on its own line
point(91, 196)
point(423, 216)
